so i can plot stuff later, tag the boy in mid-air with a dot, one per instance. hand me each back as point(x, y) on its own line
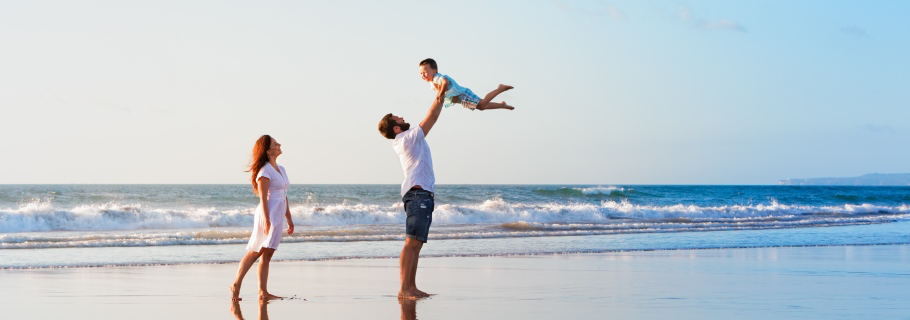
point(450, 92)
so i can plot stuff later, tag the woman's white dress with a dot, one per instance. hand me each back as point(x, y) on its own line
point(278, 188)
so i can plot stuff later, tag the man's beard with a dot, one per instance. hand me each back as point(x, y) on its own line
point(404, 126)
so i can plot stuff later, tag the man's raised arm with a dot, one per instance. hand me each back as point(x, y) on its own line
point(432, 116)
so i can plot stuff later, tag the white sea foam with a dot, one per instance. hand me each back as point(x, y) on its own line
point(520, 229)
point(600, 190)
point(44, 216)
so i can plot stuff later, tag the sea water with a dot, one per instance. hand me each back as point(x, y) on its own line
point(44, 226)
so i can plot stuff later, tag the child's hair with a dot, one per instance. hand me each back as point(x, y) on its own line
point(430, 62)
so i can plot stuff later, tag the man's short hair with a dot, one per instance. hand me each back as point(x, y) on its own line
point(387, 126)
point(430, 62)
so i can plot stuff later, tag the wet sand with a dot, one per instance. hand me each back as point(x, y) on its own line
point(843, 282)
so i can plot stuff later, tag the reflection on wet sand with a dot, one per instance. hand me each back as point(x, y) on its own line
point(408, 309)
point(263, 310)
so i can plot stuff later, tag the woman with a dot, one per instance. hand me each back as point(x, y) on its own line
point(270, 183)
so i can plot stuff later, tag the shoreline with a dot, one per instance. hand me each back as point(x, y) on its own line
point(492, 255)
point(163, 255)
point(839, 282)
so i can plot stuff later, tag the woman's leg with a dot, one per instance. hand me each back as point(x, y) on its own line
point(264, 274)
point(245, 265)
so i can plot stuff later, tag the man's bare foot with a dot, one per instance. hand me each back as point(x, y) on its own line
point(235, 293)
point(504, 88)
point(268, 296)
point(411, 294)
point(423, 294)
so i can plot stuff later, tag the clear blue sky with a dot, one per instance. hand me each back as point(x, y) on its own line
point(618, 92)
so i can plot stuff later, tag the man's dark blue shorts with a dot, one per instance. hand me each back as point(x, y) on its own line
point(419, 205)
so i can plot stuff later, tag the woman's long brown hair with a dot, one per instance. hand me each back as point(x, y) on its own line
point(260, 159)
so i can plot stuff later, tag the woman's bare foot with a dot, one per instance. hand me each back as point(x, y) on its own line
point(503, 87)
point(235, 293)
point(268, 296)
point(507, 106)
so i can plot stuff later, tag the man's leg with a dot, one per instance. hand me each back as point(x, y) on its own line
point(408, 265)
point(413, 275)
point(419, 208)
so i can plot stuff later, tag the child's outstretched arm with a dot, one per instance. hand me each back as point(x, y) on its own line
point(441, 90)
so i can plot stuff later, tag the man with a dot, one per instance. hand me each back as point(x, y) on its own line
point(417, 190)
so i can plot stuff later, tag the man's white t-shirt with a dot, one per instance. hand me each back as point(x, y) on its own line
point(416, 161)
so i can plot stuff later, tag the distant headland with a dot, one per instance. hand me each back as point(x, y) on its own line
point(871, 179)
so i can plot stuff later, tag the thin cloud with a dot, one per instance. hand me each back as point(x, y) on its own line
point(113, 106)
point(875, 128)
point(615, 13)
point(597, 10)
point(724, 25)
point(562, 5)
point(160, 110)
point(684, 14)
point(855, 32)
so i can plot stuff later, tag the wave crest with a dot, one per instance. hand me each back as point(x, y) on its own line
point(43, 216)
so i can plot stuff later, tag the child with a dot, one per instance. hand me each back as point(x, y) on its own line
point(448, 89)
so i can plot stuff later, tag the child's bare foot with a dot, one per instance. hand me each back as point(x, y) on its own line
point(235, 293)
point(503, 87)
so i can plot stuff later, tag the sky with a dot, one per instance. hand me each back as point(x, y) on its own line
point(617, 92)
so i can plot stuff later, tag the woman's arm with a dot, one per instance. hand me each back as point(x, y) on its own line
point(287, 215)
point(264, 200)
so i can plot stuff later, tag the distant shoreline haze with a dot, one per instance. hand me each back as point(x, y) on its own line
point(871, 179)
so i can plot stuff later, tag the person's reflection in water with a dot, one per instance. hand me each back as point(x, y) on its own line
point(263, 310)
point(408, 309)
point(235, 309)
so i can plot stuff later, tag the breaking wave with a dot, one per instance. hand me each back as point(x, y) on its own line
point(136, 225)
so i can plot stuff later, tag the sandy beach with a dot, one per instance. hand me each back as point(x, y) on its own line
point(839, 282)
point(550, 160)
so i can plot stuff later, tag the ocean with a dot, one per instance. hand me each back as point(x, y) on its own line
point(55, 226)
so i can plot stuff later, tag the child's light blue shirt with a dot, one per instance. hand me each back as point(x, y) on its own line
point(453, 91)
